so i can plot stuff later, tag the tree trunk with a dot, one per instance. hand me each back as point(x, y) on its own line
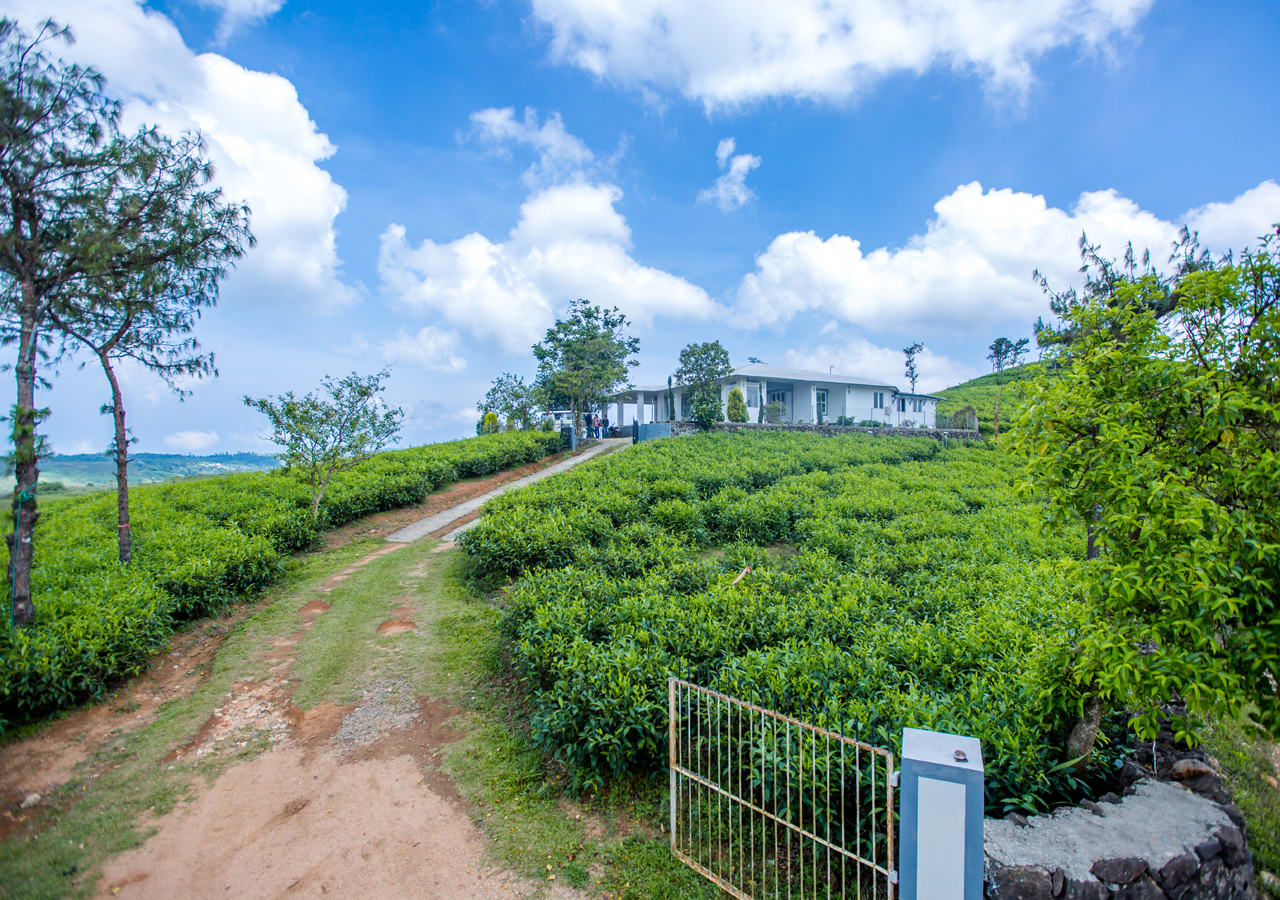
point(122, 462)
point(26, 464)
point(1085, 733)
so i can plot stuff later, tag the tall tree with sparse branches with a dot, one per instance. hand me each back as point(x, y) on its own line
point(82, 206)
point(912, 372)
point(510, 398)
point(1004, 354)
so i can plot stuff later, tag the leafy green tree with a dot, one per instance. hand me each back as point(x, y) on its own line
point(1164, 427)
point(511, 399)
point(700, 370)
point(912, 373)
point(585, 356)
point(737, 406)
point(489, 423)
point(1004, 354)
point(83, 208)
point(330, 430)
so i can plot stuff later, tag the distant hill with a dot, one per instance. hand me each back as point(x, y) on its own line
point(78, 470)
point(980, 393)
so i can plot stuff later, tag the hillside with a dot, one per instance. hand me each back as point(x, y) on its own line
point(77, 470)
point(980, 393)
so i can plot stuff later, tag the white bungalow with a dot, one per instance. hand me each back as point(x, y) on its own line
point(802, 397)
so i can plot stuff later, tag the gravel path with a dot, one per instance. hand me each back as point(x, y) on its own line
point(445, 517)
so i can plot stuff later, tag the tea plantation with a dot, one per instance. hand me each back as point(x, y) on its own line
point(197, 546)
point(893, 583)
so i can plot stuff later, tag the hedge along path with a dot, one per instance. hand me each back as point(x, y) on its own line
point(433, 525)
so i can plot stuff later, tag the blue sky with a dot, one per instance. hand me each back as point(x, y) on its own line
point(812, 184)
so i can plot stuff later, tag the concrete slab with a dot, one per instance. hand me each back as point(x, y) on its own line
point(1157, 823)
point(424, 527)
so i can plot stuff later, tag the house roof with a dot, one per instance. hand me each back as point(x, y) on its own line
point(920, 396)
point(780, 373)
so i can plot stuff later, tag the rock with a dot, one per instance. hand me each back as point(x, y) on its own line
point(1191, 768)
point(1022, 883)
point(1017, 819)
point(1204, 784)
point(1121, 870)
point(30, 800)
point(1209, 849)
point(1092, 807)
point(1109, 797)
point(1058, 882)
point(1085, 890)
point(1131, 772)
point(1234, 814)
point(1233, 851)
point(1178, 870)
point(1142, 889)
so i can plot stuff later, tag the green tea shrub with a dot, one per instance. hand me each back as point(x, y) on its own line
point(921, 592)
point(199, 545)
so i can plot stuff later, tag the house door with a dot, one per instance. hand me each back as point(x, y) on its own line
point(780, 398)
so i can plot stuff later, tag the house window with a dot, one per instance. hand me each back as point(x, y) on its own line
point(877, 400)
point(917, 406)
point(902, 405)
point(685, 414)
point(822, 403)
point(753, 393)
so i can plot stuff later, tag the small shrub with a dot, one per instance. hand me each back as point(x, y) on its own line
point(737, 406)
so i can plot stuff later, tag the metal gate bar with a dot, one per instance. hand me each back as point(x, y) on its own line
point(765, 805)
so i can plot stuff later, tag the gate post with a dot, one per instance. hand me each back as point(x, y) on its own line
point(940, 837)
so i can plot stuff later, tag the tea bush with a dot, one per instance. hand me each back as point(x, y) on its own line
point(198, 545)
point(893, 583)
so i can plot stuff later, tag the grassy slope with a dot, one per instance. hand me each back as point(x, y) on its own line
point(981, 392)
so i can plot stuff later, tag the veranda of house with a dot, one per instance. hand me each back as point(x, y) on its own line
point(802, 397)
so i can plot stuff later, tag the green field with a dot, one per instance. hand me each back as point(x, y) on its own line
point(893, 583)
point(981, 392)
point(197, 546)
point(78, 470)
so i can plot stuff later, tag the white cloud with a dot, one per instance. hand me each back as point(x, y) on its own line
point(560, 153)
point(237, 13)
point(858, 356)
point(570, 242)
point(972, 266)
point(730, 191)
point(730, 52)
point(265, 148)
point(191, 441)
point(430, 349)
point(82, 446)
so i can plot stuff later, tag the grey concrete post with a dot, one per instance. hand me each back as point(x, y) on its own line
point(940, 816)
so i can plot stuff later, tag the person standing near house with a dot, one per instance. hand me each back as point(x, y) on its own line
point(596, 421)
point(604, 425)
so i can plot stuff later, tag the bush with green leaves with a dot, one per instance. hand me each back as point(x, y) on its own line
point(737, 406)
point(198, 545)
point(893, 583)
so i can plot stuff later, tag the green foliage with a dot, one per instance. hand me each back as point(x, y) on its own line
point(585, 356)
point(511, 399)
point(700, 370)
point(921, 594)
point(489, 423)
point(912, 372)
point(980, 394)
point(197, 546)
point(331, 430)
point(1166, 439)
point(737, 406)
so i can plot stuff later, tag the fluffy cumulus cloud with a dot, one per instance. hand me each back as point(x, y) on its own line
point(559, 153)
point(265, 148)
point(431, 349)
point(237, 13)
point(972, 266)
point(730, 52)
point(730, 191)
point(859, 356)
point(191, 441)
point(570, 242)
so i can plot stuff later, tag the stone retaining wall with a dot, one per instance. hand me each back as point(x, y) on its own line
point(938, 434)
point(1178, 838)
